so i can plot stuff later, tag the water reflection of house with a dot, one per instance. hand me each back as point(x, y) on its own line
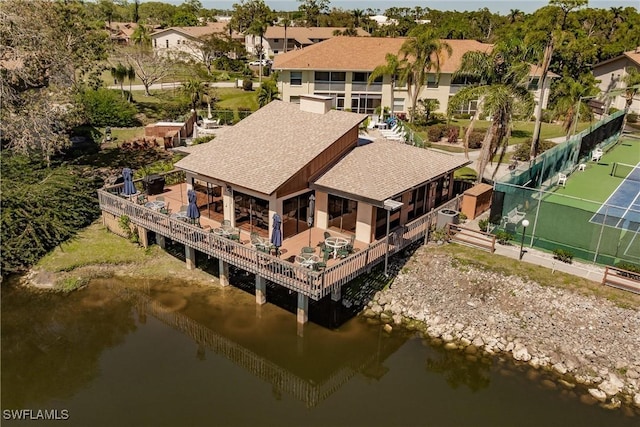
point(316, 372)
point(271, 163)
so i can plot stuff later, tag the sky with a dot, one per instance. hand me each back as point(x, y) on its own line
point(499, 6)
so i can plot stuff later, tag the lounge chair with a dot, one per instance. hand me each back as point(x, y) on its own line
point(391, 131)
point(562, 179)
point(596, 154)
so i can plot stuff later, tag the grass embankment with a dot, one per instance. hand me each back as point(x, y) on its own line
point(95, 252)
point(464, 255)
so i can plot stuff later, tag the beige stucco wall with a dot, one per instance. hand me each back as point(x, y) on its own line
point(179, 45)
point(611, 77)
point(322, 207)
point(442, 93)
point(363, 222)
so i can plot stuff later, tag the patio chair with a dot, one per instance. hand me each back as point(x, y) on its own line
point(142, 199)
point(400, 137)
point(562, 179)
point(226, 223)
point(254, 237)
point(393, 131)
point(596, 154)
point(373, 122)
point(327, 235)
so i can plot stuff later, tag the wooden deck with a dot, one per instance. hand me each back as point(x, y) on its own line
point(280, 270)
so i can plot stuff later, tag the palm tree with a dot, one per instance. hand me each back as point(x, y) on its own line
point(423, 54)
point(195, 89)
point(570, 99)
point(357, 15)
point(119, 73)
point(632, 82)
point(258, 28)
point(141, 37)
point(131, 76)
point(286, 23)
point(268, 92)
point(392, 68)
point(502, 92)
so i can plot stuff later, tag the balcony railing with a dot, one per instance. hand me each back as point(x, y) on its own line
point(329, 86)
point(315, 284)
point(364, 87)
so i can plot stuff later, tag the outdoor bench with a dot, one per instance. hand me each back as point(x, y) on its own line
point(514, 216)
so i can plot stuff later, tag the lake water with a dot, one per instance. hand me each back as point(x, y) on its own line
point(172, 354)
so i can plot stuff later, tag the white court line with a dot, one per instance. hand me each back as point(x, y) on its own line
point(629, 208)
point(610, 196)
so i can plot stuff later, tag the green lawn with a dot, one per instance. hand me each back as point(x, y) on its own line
point(231, 99)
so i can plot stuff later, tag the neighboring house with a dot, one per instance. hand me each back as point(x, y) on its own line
point(274, 38)
point(283, 153)
point(340, 68)
point(121, 32)
point(177, 41)
point(611, 74)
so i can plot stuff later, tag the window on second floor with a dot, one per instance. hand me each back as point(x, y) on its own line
point(364, 78)
point(296, 78)
point(432, 81)
point(330, 76)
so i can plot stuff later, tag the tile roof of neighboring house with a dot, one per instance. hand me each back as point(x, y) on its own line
point(200, 31)
point(363, 54)
point(633, 55)
point(536, 71)
point(267, 148)
point(126, 28)
point(306, 34)
point(384, 169)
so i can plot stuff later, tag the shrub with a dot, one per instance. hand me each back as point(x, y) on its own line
point(435, 132)
point(202, 139)
point(484, 225)
point(503, 237)
point(475, 139)
point(462, 216)
point(523, 149)
point(104, 107)
point(453, 133)
point(225, 117)
point(632, 118)
point(247, 85)
point(227, 64)
point(563, 255)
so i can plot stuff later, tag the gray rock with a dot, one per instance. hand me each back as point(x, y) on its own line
point(520, 352)
point(388, 328)
point(376, 308)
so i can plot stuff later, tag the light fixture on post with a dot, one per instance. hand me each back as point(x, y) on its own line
point(229, 189)
point(389, 205)
point(525, 224)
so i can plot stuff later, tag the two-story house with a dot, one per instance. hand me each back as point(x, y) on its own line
point(340, 68)
point(181, 41)
point(611, 74)
point(276, 38)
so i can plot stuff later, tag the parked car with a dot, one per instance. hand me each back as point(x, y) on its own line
point(256, 63)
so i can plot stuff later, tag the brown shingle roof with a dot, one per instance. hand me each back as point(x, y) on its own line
point(383, 169)
point(307, 33)
point(363, 54)
point(267, 148)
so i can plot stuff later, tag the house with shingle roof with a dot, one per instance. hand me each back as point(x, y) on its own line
point(611, 74)
point(277, 40)
point(274, 160)
point(178, 41)
point(340, 68)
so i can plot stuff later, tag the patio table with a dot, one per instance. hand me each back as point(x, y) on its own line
point(336, 243)
point(182, 215)
point(307, 260)
point(156, 205)
point(221, 231)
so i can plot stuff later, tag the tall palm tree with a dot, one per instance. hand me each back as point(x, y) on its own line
point(131, 76)
point(286, 23)
point(392, 68)
point(502, 89)
point(119, 73)
point(424, 53)
point(258, 28)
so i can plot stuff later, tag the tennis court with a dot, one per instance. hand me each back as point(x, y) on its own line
point(622, 208)
point(595, 215)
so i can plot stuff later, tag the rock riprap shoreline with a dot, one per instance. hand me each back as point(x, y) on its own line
point(583, 339)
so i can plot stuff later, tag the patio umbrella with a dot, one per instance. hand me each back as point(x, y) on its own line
point(276, 234)
point(192, 209)
point(310, 211)
point(129, 188)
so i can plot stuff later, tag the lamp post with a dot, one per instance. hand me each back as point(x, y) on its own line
point(525, 224)
point(389, 205)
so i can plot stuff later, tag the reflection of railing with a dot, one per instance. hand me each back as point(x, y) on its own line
point(300, 279)
point(306, 391)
